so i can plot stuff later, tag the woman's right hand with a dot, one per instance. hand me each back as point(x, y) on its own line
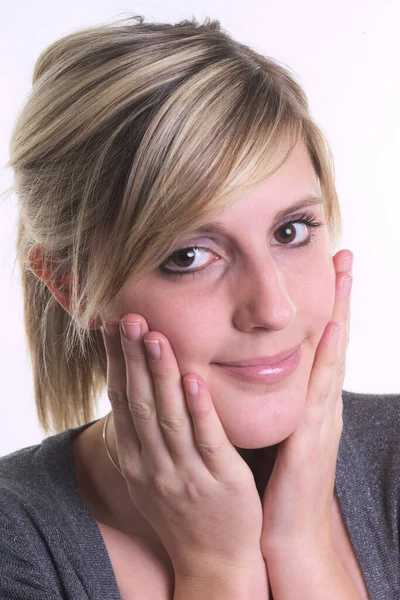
point(182, 472)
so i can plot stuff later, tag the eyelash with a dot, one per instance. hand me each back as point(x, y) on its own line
point(309, 220)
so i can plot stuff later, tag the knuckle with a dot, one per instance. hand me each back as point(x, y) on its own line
point(171, 423)
point(140, 409)
point(209, 448)
point(162, 374)
point(315, 416)
point(132, 355)
point(129, 469)
point(163, 484)
point(331, 362)
point(192, 490)
point(117, 398)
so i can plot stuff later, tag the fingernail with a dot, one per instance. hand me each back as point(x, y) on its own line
point(346, 283)
point(191, 386)
point(111, 327)
point(131, 330)
point(153, 348)
point(348, 262)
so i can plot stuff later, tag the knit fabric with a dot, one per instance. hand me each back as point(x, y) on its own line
point(51, 547)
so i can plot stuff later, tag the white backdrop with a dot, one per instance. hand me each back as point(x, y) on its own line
point(346, 56)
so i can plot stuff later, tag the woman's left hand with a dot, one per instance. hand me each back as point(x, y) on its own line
point(297, 502)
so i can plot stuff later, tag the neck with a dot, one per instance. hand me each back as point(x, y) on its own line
point(106, 493)
point(261, 462)
point(104, 490)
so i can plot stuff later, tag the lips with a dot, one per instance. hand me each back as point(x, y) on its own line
point(260, 360)
point(264, 374)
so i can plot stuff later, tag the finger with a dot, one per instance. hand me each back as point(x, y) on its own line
point(126, 438)
point(141, 395)
point(341, 310)
point(322, 375)
point(343, 262)
point(341, 315)
point(187, 440)
point(217, 451)
point(327, 376)
point(174, 419)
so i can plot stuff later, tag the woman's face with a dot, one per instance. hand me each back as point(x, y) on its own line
point(260, 295)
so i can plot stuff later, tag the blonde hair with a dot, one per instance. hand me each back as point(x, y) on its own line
point(133, 133)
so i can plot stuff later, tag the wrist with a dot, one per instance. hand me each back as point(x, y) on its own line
point(223, 582)
point(200, 566)
point(316, 574)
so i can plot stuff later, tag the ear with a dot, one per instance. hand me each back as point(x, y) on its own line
point(44, 267)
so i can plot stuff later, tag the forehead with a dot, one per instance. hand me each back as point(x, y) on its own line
point(298, 170)
point(218, 227)
point(294, 186)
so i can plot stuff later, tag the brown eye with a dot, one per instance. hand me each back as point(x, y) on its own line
point(286, 234)
point(184, 258)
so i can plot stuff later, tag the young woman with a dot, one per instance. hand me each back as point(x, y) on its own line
point(177, 233)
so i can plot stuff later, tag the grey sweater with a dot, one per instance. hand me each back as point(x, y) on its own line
point(51, 548)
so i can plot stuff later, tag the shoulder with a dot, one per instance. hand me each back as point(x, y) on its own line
point(32, 474)
point(38, 474)
point(367, 485)
point(370, 440)
point(38, 483)
point(25, 564)
point(365, 415)
point(37, 501)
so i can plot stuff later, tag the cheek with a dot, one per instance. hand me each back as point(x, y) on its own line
point(195, 327)
point(190, 322)
point(315, 296)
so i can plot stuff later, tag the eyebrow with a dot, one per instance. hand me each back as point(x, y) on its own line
point(218, 227)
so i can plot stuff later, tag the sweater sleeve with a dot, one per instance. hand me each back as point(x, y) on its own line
point(26, 572)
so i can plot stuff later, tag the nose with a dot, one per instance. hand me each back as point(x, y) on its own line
point(262, 297)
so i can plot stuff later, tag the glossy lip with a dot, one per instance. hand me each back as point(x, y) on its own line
point(262, 360)
point(273, 373)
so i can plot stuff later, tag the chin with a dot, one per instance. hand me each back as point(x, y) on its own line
point(261, 440)
point(262, 420)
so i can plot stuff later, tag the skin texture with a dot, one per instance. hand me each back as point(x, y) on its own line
point(259, 297)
